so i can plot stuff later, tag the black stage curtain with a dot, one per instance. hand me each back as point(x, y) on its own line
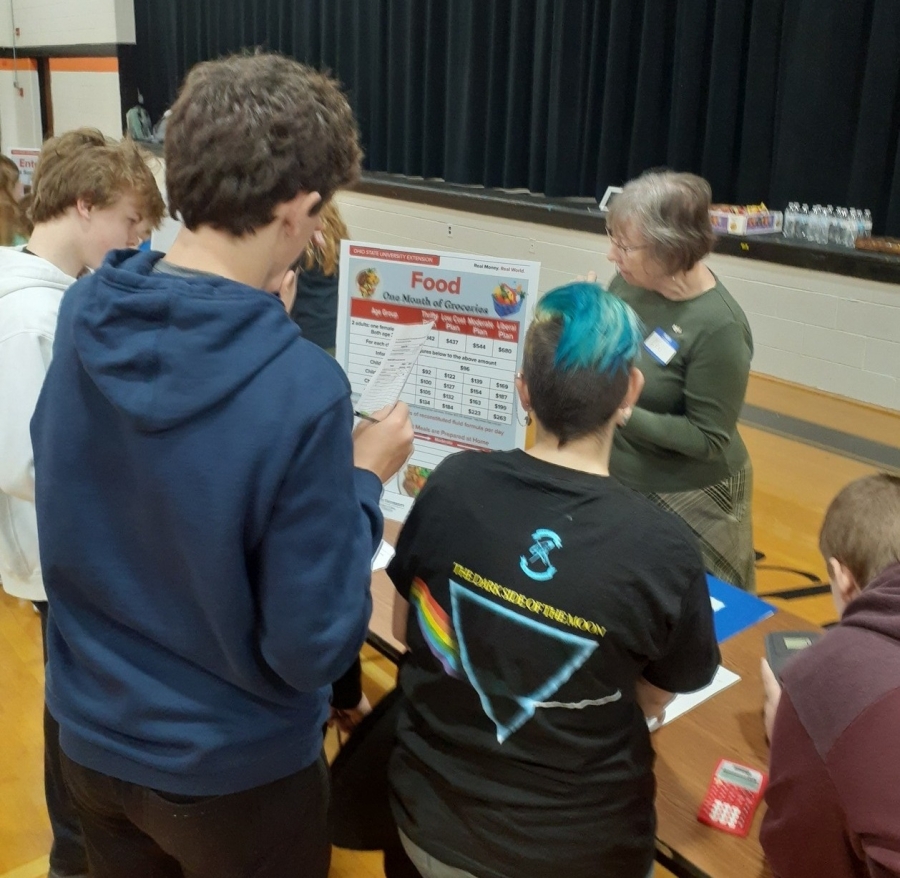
point(770, 100)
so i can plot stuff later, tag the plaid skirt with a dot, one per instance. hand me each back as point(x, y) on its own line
point(719, 516)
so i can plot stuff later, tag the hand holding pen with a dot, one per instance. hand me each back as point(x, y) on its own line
point(383, 441)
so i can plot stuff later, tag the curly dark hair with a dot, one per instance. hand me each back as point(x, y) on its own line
point(249, 132)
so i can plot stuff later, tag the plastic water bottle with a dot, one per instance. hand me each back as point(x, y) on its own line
point(819, 225)
point(824, 225)
point(851, 227)
point(789, 229)
point(838, 230)
point(867, 223)
point(856, 227)
point(825, 219)
point(832, 225)
point(803, 224)
point(842, 224)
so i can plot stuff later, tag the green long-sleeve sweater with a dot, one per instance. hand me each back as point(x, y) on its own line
point(683, 432)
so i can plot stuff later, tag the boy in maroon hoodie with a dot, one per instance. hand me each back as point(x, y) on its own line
point(834, 793)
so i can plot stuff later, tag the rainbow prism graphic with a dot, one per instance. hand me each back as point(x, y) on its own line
point(436, 628)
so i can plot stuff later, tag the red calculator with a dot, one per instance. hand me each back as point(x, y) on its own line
point(732, 798)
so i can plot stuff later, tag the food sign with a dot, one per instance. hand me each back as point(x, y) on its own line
point(461, 392)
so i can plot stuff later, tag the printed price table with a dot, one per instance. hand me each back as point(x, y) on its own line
point(465, 368)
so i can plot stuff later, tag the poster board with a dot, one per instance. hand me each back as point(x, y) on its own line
point(25, 158)
point(461, 392)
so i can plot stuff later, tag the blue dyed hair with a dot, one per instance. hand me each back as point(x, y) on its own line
point(599, 331)
point(578, 355)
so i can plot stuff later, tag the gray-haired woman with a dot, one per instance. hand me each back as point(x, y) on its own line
point(681, 446)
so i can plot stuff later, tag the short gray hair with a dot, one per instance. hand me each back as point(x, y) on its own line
point(670, 210)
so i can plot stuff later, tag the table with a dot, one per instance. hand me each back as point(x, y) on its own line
point(727, 726)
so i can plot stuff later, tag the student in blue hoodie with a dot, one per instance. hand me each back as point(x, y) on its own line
point(207, 515)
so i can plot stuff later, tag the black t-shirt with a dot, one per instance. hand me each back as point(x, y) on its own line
point(538, 596)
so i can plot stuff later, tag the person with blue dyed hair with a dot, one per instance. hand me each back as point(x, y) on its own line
point(549, 611)
point(578, 364)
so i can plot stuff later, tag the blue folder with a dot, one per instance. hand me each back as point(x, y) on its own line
point(734, 610)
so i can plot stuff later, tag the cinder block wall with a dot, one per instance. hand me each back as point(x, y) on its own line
point(834, 333)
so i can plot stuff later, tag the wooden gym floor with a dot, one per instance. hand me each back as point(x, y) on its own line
point(804, 445)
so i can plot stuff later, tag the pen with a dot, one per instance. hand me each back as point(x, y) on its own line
point(367, 417)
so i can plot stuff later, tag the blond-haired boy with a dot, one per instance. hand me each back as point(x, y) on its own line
point(90, 195)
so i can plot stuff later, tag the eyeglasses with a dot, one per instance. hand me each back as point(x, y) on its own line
point(622, 247)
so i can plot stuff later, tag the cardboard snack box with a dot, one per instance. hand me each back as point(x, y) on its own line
point(727, 220)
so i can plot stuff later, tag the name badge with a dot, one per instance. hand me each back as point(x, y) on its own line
point(661, 347)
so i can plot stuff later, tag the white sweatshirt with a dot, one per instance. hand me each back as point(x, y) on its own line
point(30, 292)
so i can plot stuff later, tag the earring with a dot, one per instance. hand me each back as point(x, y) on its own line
point(527, 421)
point(625, 416)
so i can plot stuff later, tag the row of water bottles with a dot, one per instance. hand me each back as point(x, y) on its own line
point(827, 225)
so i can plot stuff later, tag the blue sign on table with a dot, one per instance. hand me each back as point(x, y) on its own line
point(734, 609)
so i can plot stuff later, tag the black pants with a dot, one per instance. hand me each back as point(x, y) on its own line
point(361, 811)
point(278, 830)
point(67, 855)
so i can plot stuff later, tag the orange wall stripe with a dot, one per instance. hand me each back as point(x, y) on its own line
point(84, 65)
point(21, 63)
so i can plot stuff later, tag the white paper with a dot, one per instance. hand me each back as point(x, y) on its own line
point(383, 556)
point(387, 383)
point(681, 704)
